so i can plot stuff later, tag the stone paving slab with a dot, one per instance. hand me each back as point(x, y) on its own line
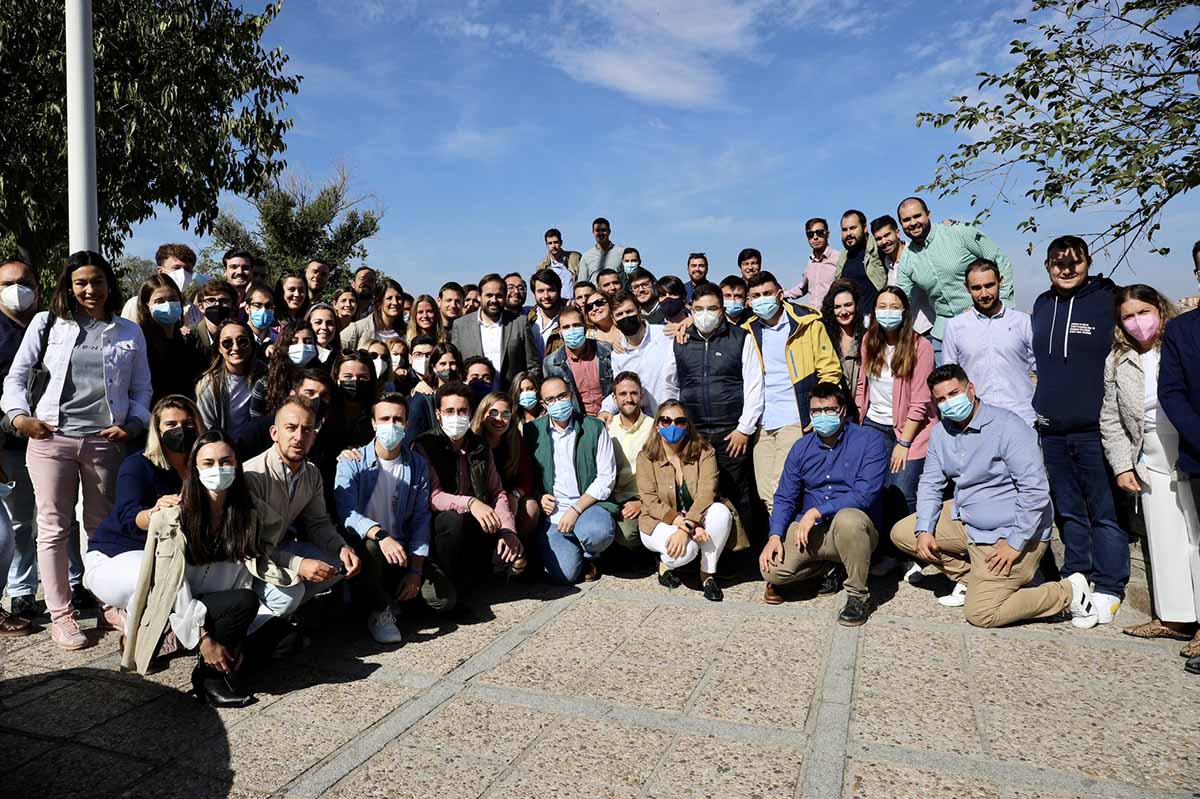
point(622, 688)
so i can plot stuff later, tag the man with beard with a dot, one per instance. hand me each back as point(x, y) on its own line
point(564, 263)
point(860, 262)
point(515, 292)
point(697, 269)
point(497, 334)
point(543, 318)
point(363, 286)
point(887, 237)
point(937, 259)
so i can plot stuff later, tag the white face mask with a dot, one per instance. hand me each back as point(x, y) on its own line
point(182, 278)
point(17, 298)
point(217, 478)
point(706, 321)
point(418, 365)
point(379, 365)
point(455, 427)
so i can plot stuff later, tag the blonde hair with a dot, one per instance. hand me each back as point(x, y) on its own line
point(511, 437)
point(1122, 341)
point(154, 451)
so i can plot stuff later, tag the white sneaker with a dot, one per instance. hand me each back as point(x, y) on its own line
point(1083, 608)
point(382, 626)
point(883, 566)
point(956, 598)
point(1107, 606)
point(914, 572)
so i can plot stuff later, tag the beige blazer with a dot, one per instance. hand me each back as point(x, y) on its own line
point(267, 477)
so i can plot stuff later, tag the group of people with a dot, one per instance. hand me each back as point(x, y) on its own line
point(242, 446)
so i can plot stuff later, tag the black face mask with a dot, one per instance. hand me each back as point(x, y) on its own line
point(480, 388)
point(354, 389)
point(318, 407)
point(217, 314)
point(446, 375)
point(629, 325)
point(671, 306)
point(178, 439)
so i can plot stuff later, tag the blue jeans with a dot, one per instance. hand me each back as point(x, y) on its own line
point(563, 555)
point(937, 349)
point(282, 601)
point(1095, 544)
point(899, 488)
point(21, 569)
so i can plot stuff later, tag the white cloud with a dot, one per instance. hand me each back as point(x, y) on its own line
point(477, 144)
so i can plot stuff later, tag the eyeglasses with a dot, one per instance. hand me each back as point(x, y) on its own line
point(817, 234)
point(260, 305)
point(825, 412)
point(667, 421)
point(595, 305)
point(241, 342)
point(551, 400)
point(496, 413)
point(374, 356)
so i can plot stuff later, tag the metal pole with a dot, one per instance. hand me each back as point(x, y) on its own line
point(83, 213)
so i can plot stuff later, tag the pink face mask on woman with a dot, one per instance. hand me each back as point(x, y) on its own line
point(1142, 327)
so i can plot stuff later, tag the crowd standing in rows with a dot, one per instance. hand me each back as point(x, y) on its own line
point(243, 446)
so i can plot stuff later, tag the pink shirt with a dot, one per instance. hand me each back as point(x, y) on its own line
point(818, 276)
point(911, 398)
point(441, 500)
point(586, 373)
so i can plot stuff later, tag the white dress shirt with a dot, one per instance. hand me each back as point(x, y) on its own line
point(752, 388)
point(566, 484)
point(654, 362)
point(779, 404)
point(492, 335)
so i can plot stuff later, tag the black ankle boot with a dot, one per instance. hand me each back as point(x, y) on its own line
point(217, 689)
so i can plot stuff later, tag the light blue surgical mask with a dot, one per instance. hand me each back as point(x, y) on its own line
point(217, 478)
point(574, 337)
point(262, 317)
point(765, 307)
point(301, 354)
point(527, 399)
point(389, 436)
point(889, 318)
point(734, 307)
point(957, 408)
point(826, 424)
point(629, 266)
point(166, 313)
point(560, 410)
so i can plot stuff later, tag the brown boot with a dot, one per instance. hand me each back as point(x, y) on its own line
point(14, 626)
point(771, 596)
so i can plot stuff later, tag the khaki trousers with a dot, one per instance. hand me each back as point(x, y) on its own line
point(849, 540)
point(770, 452)
point(992, 600)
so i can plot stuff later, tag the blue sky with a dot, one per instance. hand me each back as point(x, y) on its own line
point(706, 125)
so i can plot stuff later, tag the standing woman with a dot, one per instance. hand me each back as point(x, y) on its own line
point(224, 390)
point(385, 322)
point(597, 309)
point(893, 398)
point(681, 516)
point(444, 365)
point(291, 298)
point(345, 303)
point(92, 395)
point(323, 320)
point(495, 423)
point(294, 350)
point(843, 318)
point(426, 319)
point(1142, 446)
point(175, 360)
point(195, 580)
point(524, 395)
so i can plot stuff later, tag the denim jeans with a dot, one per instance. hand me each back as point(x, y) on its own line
point(937, 350)
point(899, 488)
point(283, 601)
point(22, 574)
point(564, 554)
point(1096, 546)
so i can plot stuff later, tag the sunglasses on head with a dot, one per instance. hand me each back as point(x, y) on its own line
point(241, 341)
point(667, 421)
point(375, 356)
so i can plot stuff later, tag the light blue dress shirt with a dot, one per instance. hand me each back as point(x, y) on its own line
point(997, 354)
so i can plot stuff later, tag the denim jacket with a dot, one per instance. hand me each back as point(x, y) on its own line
point(126, 371)
point(355, 482)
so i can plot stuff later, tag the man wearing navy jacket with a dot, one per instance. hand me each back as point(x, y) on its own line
point(1072, 335)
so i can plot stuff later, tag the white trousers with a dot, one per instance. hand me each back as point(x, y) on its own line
point(1172, 528)
point(112, 580)
point(718, 521)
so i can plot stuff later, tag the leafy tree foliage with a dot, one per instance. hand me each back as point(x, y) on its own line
point(1100, 112)
point(188, 104)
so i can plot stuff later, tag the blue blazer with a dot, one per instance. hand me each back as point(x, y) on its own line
point(1179, 386)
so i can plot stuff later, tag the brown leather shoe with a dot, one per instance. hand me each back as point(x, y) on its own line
point(14, 625)
point(591, 572)
point(771, 596)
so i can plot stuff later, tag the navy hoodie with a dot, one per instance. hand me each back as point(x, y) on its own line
point(1072, 337)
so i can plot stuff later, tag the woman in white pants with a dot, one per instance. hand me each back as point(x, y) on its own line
point(681, 517)
point(1142, 447)
point(147, 480)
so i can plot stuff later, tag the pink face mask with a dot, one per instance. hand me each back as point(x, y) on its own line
point(1142, 327)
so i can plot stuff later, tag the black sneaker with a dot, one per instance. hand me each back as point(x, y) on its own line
point(82, 599)
point(833, 581)
point(712, 591)
point(855, 613)
point(1192, 666)
point(24, 606)
point(669, 579)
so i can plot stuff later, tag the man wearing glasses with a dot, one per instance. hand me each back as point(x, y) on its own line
point(822, 265)
point(260, 313)
point(217, 301)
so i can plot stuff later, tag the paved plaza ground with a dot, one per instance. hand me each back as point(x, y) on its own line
point(622, 688)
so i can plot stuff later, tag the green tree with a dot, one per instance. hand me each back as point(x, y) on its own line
point(132, 271)
point(1100, 112)
point(188, 104)
point(297, 222)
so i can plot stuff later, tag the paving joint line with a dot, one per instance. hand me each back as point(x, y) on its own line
point(979, 711)
point(824, 769)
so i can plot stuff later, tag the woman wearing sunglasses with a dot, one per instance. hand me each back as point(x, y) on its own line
point(597, 310)
point(223, 392)
point(495, 423)
point(681, 516)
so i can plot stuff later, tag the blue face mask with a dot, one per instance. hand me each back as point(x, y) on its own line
point(764, 307)
point(166, 313)
point(827, 424)
point(957, 408)
point(889, 318)
point(560, 410)
point(301, 354)
point(629, 266)
point(672, 434)
point(262, 317)
point(734, 307)
point(527, 399)
point(574, 337)
point(389, 436)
